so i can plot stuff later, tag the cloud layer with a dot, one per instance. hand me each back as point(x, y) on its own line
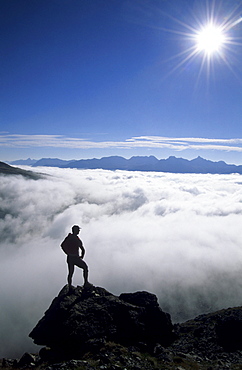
point(178, 236)
point(154, 142)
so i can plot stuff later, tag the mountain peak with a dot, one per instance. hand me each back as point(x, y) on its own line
point(126, 319)
point(200, 159)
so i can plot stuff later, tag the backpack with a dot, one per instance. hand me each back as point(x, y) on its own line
point(66, 245)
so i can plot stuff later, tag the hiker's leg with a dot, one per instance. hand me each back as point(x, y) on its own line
point(70, 271)
point(80, 263)
point(85, 274)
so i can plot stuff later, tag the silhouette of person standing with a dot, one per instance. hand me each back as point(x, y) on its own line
point(71, 245)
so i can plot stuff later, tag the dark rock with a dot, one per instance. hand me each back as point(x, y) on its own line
point(8, 363)
point(83, 327)
point(6, 169)
point(26, 360)
point(141, 299)
point(229, 332)
point(157, 323)
point(81, 319)
point(212, 336)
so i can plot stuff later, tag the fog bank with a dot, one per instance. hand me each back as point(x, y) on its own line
point(176, 235)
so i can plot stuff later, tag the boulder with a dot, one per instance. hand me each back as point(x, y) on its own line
point(27, 360)
point(83, 316)
point(229, 329)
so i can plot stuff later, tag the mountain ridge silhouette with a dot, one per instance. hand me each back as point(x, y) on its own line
point(143, 163)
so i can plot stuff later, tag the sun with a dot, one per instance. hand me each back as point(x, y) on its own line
point(209, 36)
point(210, 39)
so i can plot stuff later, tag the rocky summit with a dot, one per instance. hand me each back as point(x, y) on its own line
point(78, 321)
point(90, 328)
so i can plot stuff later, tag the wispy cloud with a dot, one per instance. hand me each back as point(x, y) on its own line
point(174, 143)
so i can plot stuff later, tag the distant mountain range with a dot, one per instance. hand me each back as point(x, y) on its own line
point(24, 162)
point(140, 163)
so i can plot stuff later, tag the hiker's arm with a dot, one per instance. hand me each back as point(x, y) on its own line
point(82, 249)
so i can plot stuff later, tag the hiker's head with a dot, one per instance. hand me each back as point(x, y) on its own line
point(76, 229)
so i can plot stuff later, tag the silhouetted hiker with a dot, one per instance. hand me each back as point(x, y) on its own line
point(71, 245)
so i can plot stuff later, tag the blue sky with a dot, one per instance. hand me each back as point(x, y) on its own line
point(92, 78)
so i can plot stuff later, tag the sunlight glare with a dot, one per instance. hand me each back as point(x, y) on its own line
point(210, 39)
point(210, 36)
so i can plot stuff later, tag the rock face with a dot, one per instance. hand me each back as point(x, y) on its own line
point(92, 325)
point(84, 317)
point(6, 169)
point(214, 335)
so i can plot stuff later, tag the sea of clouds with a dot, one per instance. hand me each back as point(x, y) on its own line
point(178, 236)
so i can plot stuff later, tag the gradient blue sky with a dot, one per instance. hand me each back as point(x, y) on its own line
point(92, 78)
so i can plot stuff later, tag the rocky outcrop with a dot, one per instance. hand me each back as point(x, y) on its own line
point(93, 329)
point(6, 169)
point(84, 318)
point(214, 337)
